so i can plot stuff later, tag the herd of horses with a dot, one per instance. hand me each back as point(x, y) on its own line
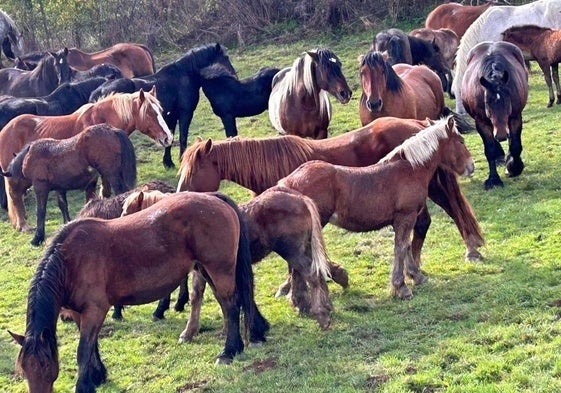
point(66, 117)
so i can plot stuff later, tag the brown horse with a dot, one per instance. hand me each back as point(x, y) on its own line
point(409, 92)
point(299, 101)
point(53, 164)
point(207, 233)
point(127, 112)
point(543, 45)
point(258, 164)
point(391, 192)
point(455, 16)
point(494, 93)
point(283, 221)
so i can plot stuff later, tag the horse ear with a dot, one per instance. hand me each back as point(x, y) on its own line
point(153, 90)
point(360, 58)
point(198, 139)
point(141, 95)
point(450, 123)
point(65, 51)
point(313, 54)
point(208, 145)
point(140, 199)
point(18, 338)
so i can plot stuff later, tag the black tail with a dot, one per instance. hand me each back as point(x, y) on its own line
point(127, 178)
point(255, 324)
point(7, 49)
point(463, 123)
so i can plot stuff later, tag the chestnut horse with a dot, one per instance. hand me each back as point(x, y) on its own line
point(207, 233)
point(258, 164)
point(409, 92)
point(299, 102)
point(543, 45)
point(391, 192)
point(127, 112)
point(55, 164)
point(280, 220)
point(454, 16)
point(495, 91)
point(132, 59)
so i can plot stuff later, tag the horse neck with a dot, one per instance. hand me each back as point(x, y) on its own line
point(103, 112)
point(76, 56)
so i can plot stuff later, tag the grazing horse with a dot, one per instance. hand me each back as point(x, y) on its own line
point(128, 112)
point(259, 164)
point(207, 233)
point(495, 91)
point(454, 16)
point(10, 37)
point(67, 98)
point(543, 45)
point(299, 102)
point(66, 164)
point(409, 92)
point(391, 192)
point(231, 98)
point(490, 25)
point(51, 72)
point(178, 85)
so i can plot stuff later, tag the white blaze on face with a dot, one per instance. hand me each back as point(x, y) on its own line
point(333, 60)
point(162, 122)
point(498, 96)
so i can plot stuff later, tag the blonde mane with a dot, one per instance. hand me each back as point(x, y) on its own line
point(149, 198)
point(248, 161)
point(419, 148)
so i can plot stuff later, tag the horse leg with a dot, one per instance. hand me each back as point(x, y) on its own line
point(197, 293)
point(230, 128)
point(514, 165)
point(184, 123)
point(63, 205)
point(183, 296)
point(166, 159)
point(89, 190)
point(117, 312)
point(41, 194)
point(555, 72)
point(163, 306)
point(106, 185)
point(338, 274)
point(16, 207)
point(3, 196)
point(546, 69)
point(493, 151)
point(91, 371)
point(403, 226)
point(419, 234)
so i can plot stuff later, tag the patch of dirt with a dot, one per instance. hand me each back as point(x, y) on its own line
point(261, 365)
point(191, 386)
point(374, 382)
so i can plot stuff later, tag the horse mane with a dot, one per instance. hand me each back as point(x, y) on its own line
point(15, 167)
point(149, 198)
point(494, 66)
point(419, 148)
point(246, 161)
point(199, 57)
point(375, 59)
point(216, 72)
point(122, 103)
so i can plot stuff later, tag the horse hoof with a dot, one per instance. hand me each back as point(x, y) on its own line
point(36, 242)
point(156, 318)
point(224, 360)
point(255, 344)
point(340, 276)
point(473, 256)
point(490, 184)
point(404, 293)
point(420, 279)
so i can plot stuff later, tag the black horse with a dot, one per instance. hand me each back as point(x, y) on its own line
point(64, 100)
point(104, 70)
point(51, 72)
point(231, 98)
point(177, 87)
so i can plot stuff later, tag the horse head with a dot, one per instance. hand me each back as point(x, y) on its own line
point(374, 71)
point(151, 120)
point(199, 170)
point(498, 106)
point(456, 155)
point(328, 74)
point(63, 70)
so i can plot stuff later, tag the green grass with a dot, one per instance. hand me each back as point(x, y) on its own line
point(487, 326)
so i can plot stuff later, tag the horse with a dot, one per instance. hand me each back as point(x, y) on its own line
point(108, 71)
point(299, 101)
point(231, 98)
point(391, 192)
point(10, 37)
point(283, 221)
point(66, 98)
point(259, 164)
point(66, 164)
point(495, 91)
point(51, 72)
point(490, 25)
point(122, 271)
point(543, 45)
point(454, 16)
point(178, 85)
point(409, 49)
point(406, 91)
point(128, 112)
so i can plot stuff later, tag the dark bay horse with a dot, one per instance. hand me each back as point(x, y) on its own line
point(230, 97)
point(127, 112)
point(178, 85)
point(299, 102)
point(72, 164)
point(122, 271)
point(543, 45)
point(51, 72)
point(409, 92)
point(259, 164)
point(391, 192)
point(454, 16)
point(67, 98)
point(494, 93)
point(283, 221)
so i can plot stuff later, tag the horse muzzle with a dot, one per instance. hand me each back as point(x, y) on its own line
point(501, 135)
point(469, 168)
point(166, 141)
point(374, 105)
point(344, 96)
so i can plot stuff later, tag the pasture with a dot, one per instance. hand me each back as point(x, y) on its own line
point(489, 326)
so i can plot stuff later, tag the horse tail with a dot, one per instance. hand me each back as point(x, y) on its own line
point(463, 123)
point(320, 260)
point(15, 167)
point(445, 191)
point(255, 324)
point(7, 49)
point(127, 177)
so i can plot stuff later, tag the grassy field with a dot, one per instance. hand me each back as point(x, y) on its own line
point(489, 326)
